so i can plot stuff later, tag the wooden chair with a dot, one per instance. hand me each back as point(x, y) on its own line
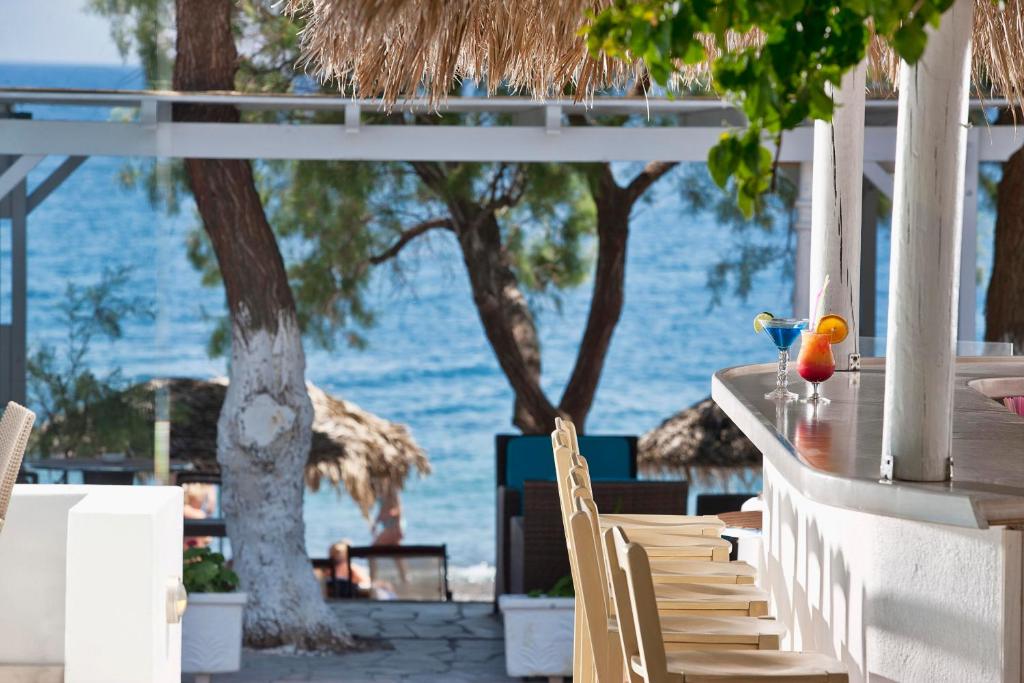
point(565, 462)
point(643, 643)
point(566, 459)
point(677, 597)
point(708, 627)
point(566, 449)
point(658, 542)
point(15, 428)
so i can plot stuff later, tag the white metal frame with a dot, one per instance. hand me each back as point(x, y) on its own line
point(528, 131)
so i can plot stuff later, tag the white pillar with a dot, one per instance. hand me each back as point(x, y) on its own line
point(836, 211)
point(802, 227)
point(924, 271)
point(967, 328)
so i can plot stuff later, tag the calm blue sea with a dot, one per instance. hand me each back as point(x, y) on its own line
point(427, 364)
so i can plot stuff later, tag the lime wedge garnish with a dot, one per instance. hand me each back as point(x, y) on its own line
point(760, 319)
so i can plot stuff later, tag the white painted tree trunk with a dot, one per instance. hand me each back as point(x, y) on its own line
point(263, 441)
point(836, 210)
point(931, 139)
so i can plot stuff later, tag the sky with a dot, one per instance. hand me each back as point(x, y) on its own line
point(55, 32)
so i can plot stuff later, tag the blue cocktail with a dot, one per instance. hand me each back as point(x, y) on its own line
point(783, 332)
point(783, 336)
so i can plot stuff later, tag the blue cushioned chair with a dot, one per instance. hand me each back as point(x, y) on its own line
point(528, 458)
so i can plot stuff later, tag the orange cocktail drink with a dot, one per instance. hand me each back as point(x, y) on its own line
point(816, 362)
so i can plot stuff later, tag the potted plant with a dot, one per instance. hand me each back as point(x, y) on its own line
point(538, 631)
point(211, 630)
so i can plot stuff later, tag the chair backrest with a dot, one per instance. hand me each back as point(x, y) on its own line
point(566, 426)
point(583, 498)
point(592, 595)
point(564, 462)
point(636, 607)
point(15, 428)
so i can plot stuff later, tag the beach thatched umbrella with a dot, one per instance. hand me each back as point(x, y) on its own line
point(352, 448)
point(399, 48)
point(700, 442)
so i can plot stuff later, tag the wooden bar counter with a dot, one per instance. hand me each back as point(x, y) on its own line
point(903, 581)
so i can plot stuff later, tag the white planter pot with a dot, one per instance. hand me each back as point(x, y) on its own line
point(211, 633)
point(538, 635)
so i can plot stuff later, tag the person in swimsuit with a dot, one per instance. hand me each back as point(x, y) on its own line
point(388, 528)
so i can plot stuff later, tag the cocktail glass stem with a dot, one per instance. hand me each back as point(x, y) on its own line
point(782, 383)
point(815, 397)
point(781, 391)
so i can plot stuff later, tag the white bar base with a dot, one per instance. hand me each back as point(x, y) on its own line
point(84, 572)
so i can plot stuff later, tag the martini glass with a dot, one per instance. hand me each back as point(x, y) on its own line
point(816, 362)
point(783, 332)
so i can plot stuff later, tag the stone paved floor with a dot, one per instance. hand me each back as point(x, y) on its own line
point(433, 643)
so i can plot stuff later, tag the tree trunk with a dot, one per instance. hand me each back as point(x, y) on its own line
point(607, 299)
point(505, 316)
point(1004, 305)
point(264, 430)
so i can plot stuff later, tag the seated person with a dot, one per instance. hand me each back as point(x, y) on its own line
point(196, 503)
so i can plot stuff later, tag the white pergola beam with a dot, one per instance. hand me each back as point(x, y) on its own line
point(836, 211)
point(17, 172)
point(412, 143)
point(879, 177)
point(924, 269)
point(372, 142)
point(54, 180)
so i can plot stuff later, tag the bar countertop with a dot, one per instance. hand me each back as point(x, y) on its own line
point(831, 453)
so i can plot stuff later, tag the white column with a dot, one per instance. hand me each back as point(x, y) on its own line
point(836, 211)
point(802, 227)
point(924, 271)
point(966, 326)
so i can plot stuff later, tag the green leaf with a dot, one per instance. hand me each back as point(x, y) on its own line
point(722, 161)
point(909, 41)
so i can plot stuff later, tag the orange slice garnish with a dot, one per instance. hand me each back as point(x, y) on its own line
point(835, 326)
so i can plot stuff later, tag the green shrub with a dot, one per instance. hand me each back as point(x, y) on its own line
point(204, 572)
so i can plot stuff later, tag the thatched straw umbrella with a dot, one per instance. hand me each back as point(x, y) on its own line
point(367, 455)
point(700, 442)
point(399, 48)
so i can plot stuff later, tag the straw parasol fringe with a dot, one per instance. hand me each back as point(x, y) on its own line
point(700, 443)
point(351, 448)
point(378, 454)
point(395, 49)
point(399, 48)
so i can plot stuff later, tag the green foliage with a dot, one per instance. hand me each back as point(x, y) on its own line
point(82, 413)
point(145, 28)
point(563, 588)
point(204, 572)
point(808, 46)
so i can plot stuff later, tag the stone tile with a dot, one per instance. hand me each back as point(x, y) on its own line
point(441, 630)
point(430, 643)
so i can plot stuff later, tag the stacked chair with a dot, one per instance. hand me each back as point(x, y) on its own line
point(658, 601)
point(15, 429)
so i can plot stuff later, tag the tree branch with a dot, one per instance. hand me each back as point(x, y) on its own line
point(647, 177)
point(408, 236)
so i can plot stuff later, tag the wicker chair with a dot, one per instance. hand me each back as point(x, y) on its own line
point(15, 428)
point(544, 540)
